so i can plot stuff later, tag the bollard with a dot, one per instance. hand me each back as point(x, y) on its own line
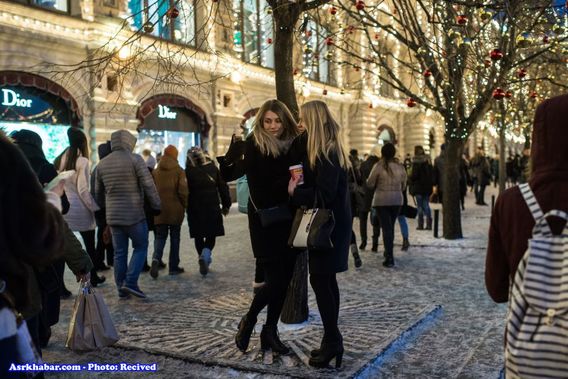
point(492, 203)
point(436, 218)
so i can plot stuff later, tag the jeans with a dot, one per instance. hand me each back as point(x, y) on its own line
point(160, 237)
point(423, 205)
point(127, 273)
point(403, 226)
point(388, 215)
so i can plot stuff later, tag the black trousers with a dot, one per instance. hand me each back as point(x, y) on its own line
point(102, 248)
point(363, 218)
point(89, 240)
point(327, 297)
point(201, 243)
point(277, 275)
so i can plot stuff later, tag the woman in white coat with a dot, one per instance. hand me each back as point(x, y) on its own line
point(82, 206)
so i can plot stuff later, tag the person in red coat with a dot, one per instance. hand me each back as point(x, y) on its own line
point(512, 222)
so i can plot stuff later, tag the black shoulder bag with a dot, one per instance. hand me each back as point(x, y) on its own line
point(272, 215)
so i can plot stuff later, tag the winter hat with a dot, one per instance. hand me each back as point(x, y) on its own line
point(104, 149)
point(171, 151)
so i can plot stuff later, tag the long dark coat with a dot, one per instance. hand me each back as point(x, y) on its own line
point(206, 187)
point(268, 179)
point(330, 181)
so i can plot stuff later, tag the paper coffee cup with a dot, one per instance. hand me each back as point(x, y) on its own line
point(297, 171)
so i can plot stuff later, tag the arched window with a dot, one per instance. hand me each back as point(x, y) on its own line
point(386, 135)
point(167, 19)
point(253, 33)
point(317, 53)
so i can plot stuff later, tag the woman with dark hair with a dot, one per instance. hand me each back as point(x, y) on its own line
point(326, 163)
point(31, 237)
point(388, 179)
point(81, 215)
point(204, 218)
point(263, 158)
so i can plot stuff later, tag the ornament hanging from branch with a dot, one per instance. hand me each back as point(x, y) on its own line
point(333, 11)
point(496, 55)
point(411, 103)
point(521, 73)
point(461, 19)
point(173, 13)
point(427, 73)
point(508, 94)
point(498, 94)
point(360, 5)
point(148, 27)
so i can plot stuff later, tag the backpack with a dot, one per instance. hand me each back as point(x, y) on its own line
point(537, 321)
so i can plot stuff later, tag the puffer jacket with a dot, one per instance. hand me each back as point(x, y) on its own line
point(388, 187)
point(122, 182)
point(172, 186)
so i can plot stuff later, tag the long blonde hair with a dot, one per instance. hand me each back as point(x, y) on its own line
point(266, 142)
point(324, 136)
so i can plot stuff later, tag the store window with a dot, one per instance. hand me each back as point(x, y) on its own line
point(167, 19)
point(253, 34)
point(54, 5)
point(318, 53)
point(36, 109)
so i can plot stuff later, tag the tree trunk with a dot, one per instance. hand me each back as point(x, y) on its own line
point(285, 19)
point(451, 190)
point(502, 157)
point(295, 309)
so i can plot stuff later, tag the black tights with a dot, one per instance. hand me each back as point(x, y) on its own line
point(277, 276)
point(327, 296)
point(201, 243)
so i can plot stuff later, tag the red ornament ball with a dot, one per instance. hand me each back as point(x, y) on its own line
point(377, 35)
point(521, 73)
point(333, 10)
point(360, 5)
point(411, 103)
point(496, 55)
point(295, 72)
point(427, 73)
point(370, 106)
point(461, 19)
point(173, 13)
point(508, 94)
point(269, 41)
point(498, 94)
point(324, 92)
point(329, 41)
point(545, 39)
point(533, 95)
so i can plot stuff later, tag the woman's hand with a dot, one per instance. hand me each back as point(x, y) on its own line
point(292, 184)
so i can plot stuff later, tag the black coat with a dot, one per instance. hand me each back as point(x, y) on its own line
point(422, 177)
point(206, 187)
point(268, 179)
point(365, 169)
point(330, 182)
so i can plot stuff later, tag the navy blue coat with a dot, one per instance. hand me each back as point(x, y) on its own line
point(330, 181)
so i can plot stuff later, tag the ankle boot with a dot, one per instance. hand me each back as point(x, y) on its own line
point(269, 340)
point(356, 257)
point(429, 223)
point(389, 260)
point(375, 246)
point(420, 223)
point(405, 244)
point(245, 329)
point(327, 352)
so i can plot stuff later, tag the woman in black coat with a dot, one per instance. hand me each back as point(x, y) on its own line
point(203, 211)
point(263, 159)
point(325, 163)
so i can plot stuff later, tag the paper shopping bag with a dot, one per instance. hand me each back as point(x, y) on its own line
point(91, 326)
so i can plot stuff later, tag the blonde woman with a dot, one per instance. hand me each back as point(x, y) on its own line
point(263, 158)
point(325, 162)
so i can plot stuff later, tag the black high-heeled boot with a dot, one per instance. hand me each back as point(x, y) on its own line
point(327, 352)
point(242, 338)
point(269, 340)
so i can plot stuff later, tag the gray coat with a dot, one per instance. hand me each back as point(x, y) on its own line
point(122, 182)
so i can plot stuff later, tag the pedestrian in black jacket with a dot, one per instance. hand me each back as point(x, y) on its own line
point(365, 208)
point(325, 163)
point(203, 208)
point(263, 158)
point(421, 183)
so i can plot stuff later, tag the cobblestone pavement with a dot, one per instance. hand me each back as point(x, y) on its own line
point(187, 324)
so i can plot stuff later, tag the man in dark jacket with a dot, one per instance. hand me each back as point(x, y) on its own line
point(365, 207)
point(481, 175)
point(512, 222)
point(122, 181)
point(421, 182)
point(104, 149)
